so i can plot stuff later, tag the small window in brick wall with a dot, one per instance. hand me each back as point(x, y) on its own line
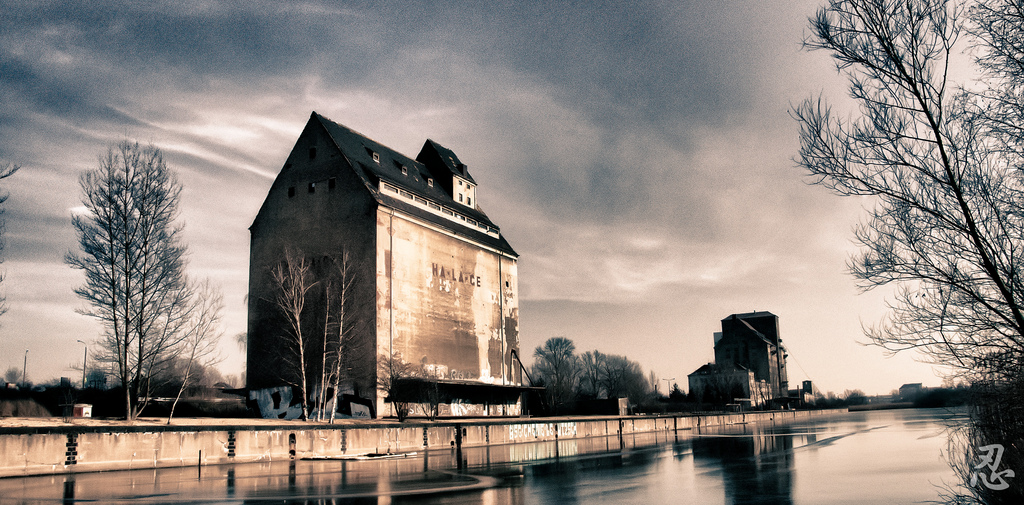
point(312, 153)
point(312, 187)
point(331, 183)
point(291, 191)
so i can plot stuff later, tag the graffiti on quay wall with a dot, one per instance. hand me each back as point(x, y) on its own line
point(549, 430)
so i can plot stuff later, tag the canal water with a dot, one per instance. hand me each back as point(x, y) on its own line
point(894, 456)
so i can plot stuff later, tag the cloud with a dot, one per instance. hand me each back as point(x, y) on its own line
point(637, 155)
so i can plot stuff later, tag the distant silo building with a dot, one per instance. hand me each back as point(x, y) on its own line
point(752, 341)
point(750, 360)
point(433, 281)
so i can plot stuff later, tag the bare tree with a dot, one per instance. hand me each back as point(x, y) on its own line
point(559, 368)
point(943, 165)
point(997, 30)
point(947, 226)
point(133, 262)
point(293, 280)
point(200, 335)
point(392, 371)
point(6, 170)
point(623, 378)
point(346, 327)
point(590, 374)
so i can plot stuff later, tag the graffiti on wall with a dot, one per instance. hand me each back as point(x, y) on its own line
point(541, 430)
point(283, 402)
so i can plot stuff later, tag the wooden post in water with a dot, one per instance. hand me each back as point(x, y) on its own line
point(458, 446)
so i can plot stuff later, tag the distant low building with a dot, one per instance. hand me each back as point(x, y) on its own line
point(714, 383)
point(910, 391)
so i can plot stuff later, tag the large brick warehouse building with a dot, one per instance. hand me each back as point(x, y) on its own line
point(430, 282)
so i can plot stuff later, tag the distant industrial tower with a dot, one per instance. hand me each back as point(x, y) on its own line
point(750, 362)
point(752, 341)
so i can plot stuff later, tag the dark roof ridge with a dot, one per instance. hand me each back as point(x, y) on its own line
point(377, 164)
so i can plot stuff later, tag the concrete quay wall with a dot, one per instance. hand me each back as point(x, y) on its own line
point(71, 447)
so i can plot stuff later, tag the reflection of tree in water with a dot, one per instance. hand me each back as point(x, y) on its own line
point(755, 468)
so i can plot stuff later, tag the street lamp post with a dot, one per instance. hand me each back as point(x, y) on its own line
point(668, 385)
point(85, 358)
point(24, 370)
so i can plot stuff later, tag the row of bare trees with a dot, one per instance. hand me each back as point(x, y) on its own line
point(568, 377)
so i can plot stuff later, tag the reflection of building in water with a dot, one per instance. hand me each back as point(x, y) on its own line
point(715, 383)
point(748, 346)
point(755, 468)
point(434, 283)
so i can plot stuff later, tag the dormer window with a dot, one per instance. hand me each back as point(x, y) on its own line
point(405, 171)
point(376, 158)
point(430, 182)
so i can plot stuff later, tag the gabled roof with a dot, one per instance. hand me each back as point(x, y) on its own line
point(715, 368)
point(359, 152)
point(450, 160)
point(748, 315)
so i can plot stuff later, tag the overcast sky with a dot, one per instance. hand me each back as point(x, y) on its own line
point(638, 156)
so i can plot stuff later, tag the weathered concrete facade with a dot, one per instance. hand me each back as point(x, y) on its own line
point(435, 282)
point(445, 304)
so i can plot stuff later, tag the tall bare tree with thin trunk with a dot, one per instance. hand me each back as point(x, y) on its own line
point(200, 335)
point(134, 264)
point(293, 279)
point(345, 341)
